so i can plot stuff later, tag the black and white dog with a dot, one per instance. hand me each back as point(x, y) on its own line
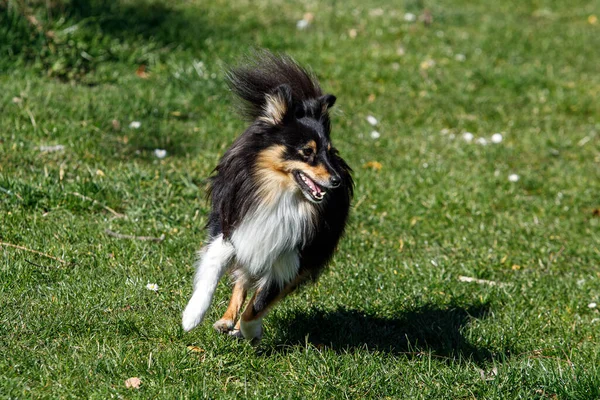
point(280, 196)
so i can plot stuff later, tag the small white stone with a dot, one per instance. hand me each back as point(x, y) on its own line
point(51, 149)
point(496, 138)
point(302, 24)
point(592, 305)
point(160, 153)
point(513, 177)
point(410, 17)
point(372, 120)
point(468, 136)
point(481, 141)
point(376, 12)
point(135, 124)
point(375, 135)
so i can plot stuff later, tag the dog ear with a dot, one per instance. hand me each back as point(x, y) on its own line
point(327, 102)
point(277, 105)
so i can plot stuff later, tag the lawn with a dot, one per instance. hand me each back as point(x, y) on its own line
point(470, 268)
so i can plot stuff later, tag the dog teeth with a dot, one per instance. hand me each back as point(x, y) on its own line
point(317, 194)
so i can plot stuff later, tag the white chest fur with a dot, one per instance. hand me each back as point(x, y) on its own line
point(267, 240)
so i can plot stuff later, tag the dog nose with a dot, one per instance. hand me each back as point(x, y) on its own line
point(335, 181)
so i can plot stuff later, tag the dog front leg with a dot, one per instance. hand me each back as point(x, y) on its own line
point(238, 296)
point(260, 304)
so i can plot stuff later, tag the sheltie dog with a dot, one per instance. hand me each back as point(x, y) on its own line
point(280, 196)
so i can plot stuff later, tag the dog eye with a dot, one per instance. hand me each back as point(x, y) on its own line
point(307, 151)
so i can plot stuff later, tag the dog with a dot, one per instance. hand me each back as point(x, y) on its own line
point(280, 196)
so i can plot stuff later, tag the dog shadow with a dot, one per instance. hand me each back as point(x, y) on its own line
point(413, 333)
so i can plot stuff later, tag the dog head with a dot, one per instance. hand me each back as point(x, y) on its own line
point(298, 154)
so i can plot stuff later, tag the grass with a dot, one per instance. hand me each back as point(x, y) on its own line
point(389, 318)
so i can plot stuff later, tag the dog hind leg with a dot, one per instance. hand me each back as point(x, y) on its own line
point(212, 264)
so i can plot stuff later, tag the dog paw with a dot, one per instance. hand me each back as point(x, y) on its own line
point(252, 330)
point(236, 334)
point(224, 325)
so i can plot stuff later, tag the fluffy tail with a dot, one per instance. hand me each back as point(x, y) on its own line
point(262, 73)
point(212, 264)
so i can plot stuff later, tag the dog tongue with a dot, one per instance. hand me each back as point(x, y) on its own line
point(312, 185)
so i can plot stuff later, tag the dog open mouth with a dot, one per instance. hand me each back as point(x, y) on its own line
point(311, 189)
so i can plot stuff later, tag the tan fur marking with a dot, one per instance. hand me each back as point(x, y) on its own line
point(274, 173)
point(320, 172)
point(271, 174)
point(238, 296)
point(248, 314)
point(275, 108)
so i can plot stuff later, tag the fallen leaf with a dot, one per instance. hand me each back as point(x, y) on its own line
point(376, 165)
point(490, 375)
point(426, 64)
point(596, 212)
point(141, 72)
point(33, 21)
point(516, 267)
point(371, 98)
point(308, 17)
point(99, 172)
point(426, 17)
point(195, 349)
point(133, 383)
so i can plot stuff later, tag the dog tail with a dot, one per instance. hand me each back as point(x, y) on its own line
point(262, 73)
point(213, 261)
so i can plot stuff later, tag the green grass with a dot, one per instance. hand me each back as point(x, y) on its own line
point(390, 317)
